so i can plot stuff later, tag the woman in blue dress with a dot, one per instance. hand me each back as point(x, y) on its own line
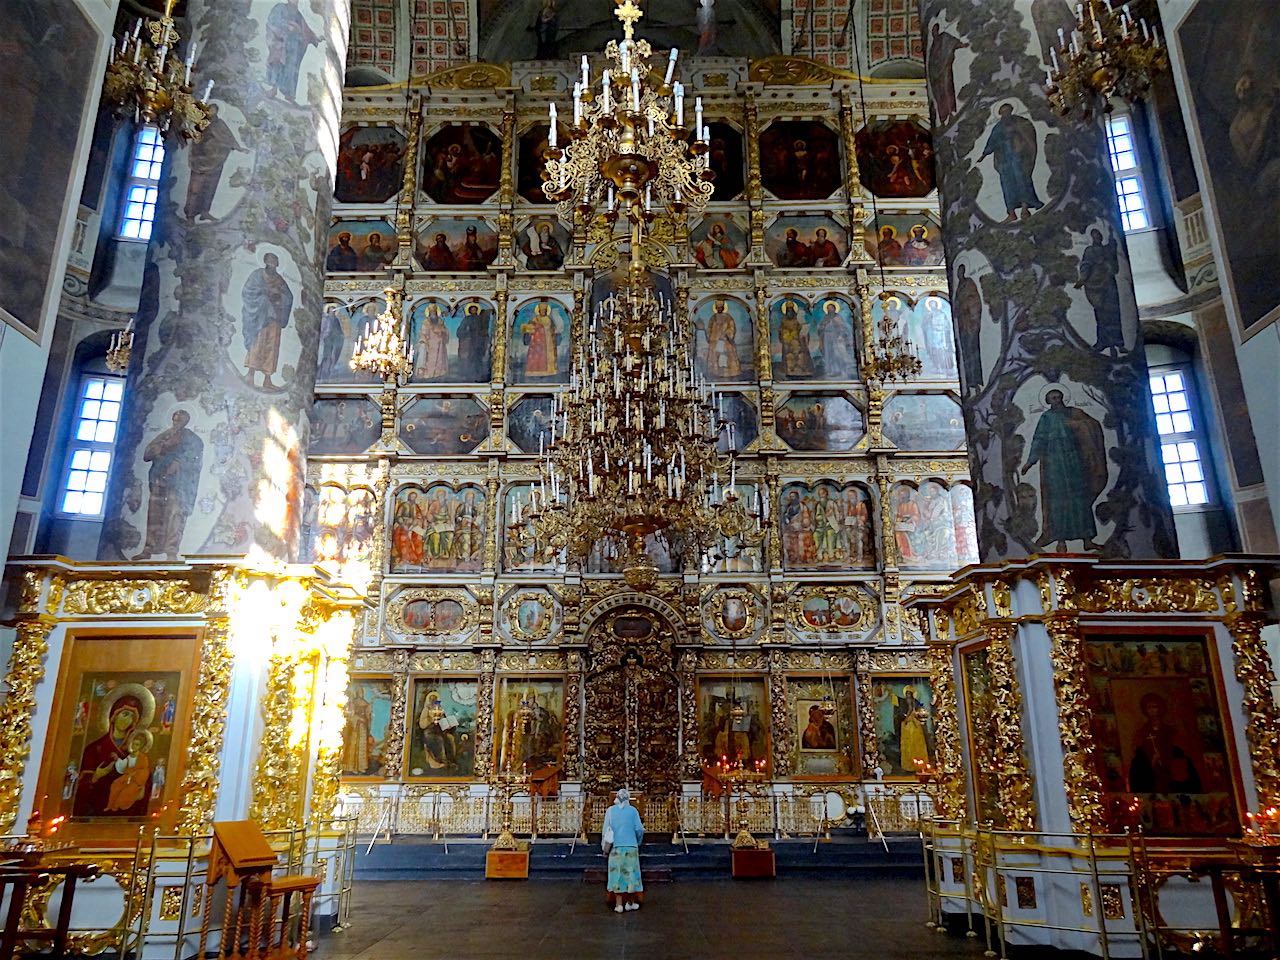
point(622, 821)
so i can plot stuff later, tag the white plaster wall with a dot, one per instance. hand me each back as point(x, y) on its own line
point(22, 361)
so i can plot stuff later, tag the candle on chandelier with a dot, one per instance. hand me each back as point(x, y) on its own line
point(671, 67)
point(208, 89)
point(697, 114)
point(679, 91)
point(635, 89)
point(552, 138)
point(577, 104)
point(604, 92)
point(586, 73)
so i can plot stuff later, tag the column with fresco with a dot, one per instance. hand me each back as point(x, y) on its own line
point(210, 456)
point(1062, 440)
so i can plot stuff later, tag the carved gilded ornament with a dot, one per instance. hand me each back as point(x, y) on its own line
point(871, 758)
point(734, 612)
point(950, 798)
point(1016, 786)
point(534, 632)
point(850, 610)
point(98, 597)
point(828, 661)
point(465, 662)
point(1148, 595)
point(470, 76)
point(519, 663)
point(788, 71)
point(1070, 681)
point(26, 671)
point(465, 622)
point(1262, 716)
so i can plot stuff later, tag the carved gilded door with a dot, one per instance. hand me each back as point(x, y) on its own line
point(632, 715)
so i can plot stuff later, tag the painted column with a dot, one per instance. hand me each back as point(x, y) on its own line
point(1062, 441)
point(216, 420)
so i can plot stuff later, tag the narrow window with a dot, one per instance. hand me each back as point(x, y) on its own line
point(1124, 162)
point(93, 442)
point(1181, 441)
point(142, 186)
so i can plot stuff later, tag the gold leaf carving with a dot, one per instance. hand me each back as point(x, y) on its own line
point(97, 597)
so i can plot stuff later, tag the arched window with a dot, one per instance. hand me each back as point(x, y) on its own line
point(1182, 437)
point(1126, 165)
point(92, 446)
point(142, 186)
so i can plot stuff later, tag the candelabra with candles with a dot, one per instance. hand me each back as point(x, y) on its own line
point(894, 356)
point(507, 784)
point(149, 79)
point(635, 440)
point(383, 349)
point(1108, 54)
point(121, 349)
point(745, 779)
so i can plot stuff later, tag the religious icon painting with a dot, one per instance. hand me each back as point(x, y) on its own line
point(1163, 746)
point(529, 725)
point(821, 724)
point(895, 158)
point(438, 528)
point(742, 423)
point(457, 245)
point(538, 351)
point(832, 609)
point(529, 423)
point(344, 425)
point(444, 426)
point(800, 160)
point(726, 157)
point(826, 526)
point(365, 722)
point(342, 532)
point(531, 615)
point(541, 244)
point(360, 246)
point(924, 526)
point(807, 241)
point(532, 162)
point(813, 341)
point(931, 334)
point(733, 723)
point(724, 340)
point(341, 323)
point(422, 611)
point(370, 163)
point(46, 87)
point(451, 343)
point(809, 421)
point(903, 732)
point(733, 613)
point(117, 746)
point(905, 240)
point(924, 421)
point(441, 744)
point(461, 164)
point(719, 243)
point(518, 555)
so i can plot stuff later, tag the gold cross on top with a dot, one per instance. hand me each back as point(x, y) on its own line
point(628, 12)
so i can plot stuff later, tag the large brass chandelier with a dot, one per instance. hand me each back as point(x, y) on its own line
point(147, 78)
point(1108, 54)
point(637, 438)
point(383, 348)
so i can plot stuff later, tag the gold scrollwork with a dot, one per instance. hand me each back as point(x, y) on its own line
point(535, 631)
point(97, 597)
point(1071, 684)
point(1262, 718)
point(1017, 794)
point(26, 670)
point(400, 603)
point(848, 609)
point(951, 787)
point(1149, 595)
point(785, 71)
point(471, 76)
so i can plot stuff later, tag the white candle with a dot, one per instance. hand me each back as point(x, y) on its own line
point(586, 73)
point(208, 89)
point(577, 104)
point(679, 104)
point(697, 114)
point(604, 92)
point(671, 67)
point(635, 89)
point(552, 137)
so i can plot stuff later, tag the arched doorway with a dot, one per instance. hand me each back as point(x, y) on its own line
point(632, 717)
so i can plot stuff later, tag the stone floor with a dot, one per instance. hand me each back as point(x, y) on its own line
point(566, 920)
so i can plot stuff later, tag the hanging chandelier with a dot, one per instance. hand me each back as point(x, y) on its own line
point(383, 349)
point(894, 356)
point(636, 439)
point(121, 349)
point(147, 78)
point(1108, 54)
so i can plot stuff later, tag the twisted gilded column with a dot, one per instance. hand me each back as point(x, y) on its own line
point(216, 420)
point(1062, 441)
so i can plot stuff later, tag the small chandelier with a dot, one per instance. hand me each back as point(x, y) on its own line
point(1108, 54)
point(635, 441)
point(147, 77)
point(527, 711)
point(383, 349)
point(121, 349)
point(894, 356)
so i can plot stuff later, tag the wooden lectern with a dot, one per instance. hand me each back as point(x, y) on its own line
point(241, 855)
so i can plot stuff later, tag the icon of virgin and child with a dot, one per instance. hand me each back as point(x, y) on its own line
point(115, 771)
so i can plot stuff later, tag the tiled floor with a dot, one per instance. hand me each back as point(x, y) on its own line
point(415, 920)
